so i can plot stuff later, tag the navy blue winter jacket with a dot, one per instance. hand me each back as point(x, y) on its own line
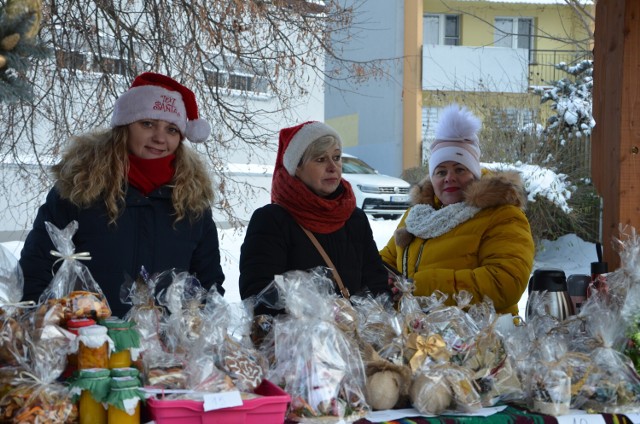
point(275, 243)
point(144, 235)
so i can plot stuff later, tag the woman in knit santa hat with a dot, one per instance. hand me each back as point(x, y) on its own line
point(310, 200)
point(140, 195)
point(466, 230)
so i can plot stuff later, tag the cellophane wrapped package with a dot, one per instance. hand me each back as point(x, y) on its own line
point(315, 362)
point(35, 396)
point(183, 298)
point(148, 316)
point(72, 293)
point(11, 308)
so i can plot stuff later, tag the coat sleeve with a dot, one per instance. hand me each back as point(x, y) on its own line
point(391, 254)
point(374, 275)
point(205, 262)
point(263, 253)
point(36, 260)
point(505, 257)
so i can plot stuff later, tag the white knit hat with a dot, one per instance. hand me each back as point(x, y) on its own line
point(295, 140)
point(156, 96)
point(456, 140)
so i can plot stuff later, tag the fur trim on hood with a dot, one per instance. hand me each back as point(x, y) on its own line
point(493, 189)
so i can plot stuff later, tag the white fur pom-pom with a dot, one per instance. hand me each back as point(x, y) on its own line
point(457, 123)
point(198, 130)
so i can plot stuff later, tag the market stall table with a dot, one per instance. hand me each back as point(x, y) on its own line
point(510, 415)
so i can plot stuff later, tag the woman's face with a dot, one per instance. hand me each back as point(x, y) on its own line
point(449, 181)
point(322, 174)
point(153, 138)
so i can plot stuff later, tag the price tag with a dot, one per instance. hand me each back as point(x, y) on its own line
point(581, 419)
point(221, 400)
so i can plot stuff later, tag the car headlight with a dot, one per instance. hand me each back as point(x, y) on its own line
point(369, 189)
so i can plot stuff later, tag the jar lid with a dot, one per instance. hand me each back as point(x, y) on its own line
point(75, 323)
point(92, 330)
point(94, 373)
point(116, 323)
point(124, 382)
point(125, 372)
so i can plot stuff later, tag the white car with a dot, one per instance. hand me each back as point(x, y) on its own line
point(381, 196)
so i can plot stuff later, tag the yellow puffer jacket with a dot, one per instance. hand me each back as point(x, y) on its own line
point(482, 245)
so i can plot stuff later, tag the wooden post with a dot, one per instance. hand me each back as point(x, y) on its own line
point(615, 141)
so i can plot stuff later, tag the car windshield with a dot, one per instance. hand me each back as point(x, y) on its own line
point(355, 166)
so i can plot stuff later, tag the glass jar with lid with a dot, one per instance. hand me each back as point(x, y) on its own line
point(94, 347)
point(72, 358)
point(124, 400)
point(90, 388)
point(126, 341)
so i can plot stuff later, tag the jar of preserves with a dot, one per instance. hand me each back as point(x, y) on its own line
point(124, 400)
point(94, 347)
point(126, 341)
point(93, 386)
point(72, 358)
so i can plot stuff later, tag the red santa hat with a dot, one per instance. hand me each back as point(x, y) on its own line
point(156, 96)
point(456, 140)
point(294, 141)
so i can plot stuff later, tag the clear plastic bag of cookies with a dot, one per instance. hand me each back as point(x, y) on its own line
point(73, 281)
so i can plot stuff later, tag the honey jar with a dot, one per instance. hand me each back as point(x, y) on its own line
point(124, 400)
point(126, 341)
point(94, 386)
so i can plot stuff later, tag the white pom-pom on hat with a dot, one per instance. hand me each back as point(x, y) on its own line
point(456, 139)
point(157, 96)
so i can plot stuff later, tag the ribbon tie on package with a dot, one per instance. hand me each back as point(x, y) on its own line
point(79, 256)
point(432, 346)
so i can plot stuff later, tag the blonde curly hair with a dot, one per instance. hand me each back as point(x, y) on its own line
point(94, 168)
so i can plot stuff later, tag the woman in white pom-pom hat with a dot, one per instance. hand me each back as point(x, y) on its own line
point(140, 195)
point(310, 200)
point(466, 229)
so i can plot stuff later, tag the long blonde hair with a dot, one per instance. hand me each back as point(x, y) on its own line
point(94, 168)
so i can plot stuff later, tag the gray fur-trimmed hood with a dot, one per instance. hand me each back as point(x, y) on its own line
point(495, 188)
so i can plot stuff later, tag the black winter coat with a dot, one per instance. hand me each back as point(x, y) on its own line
point(274, 243)
point(144, 235)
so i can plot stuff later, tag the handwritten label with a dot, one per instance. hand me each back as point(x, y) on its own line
point(221, 400)
point(581, 419)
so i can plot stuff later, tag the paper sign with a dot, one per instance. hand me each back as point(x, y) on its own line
point(221, 400)
point(581, 419)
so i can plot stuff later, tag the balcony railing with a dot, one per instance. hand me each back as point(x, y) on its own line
point(542, 66)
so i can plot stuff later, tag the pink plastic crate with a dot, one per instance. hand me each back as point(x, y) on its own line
point(269, 409)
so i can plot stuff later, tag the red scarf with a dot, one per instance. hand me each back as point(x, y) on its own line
point(149, 174)
point(317, 214)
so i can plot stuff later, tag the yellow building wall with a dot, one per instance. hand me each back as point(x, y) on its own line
point(550, 21)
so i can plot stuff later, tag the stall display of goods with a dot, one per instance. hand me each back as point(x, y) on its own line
point(184, 354)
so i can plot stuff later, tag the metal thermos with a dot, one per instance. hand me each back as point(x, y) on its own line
point(577, 285)
point(548, 288)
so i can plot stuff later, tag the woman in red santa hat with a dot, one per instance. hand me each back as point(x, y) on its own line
point(466, 230)
point(140, 195)
point(310, 203)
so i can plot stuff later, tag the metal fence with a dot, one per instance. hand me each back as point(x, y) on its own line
point(542, 65)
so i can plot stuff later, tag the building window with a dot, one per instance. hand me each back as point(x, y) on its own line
point(236, 81)
point(71, 60)
point(110, 65)
point(441, 29)
point(515, 33)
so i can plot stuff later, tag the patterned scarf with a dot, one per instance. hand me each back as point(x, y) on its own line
point(315, 213)
point(149, 174)
point(426, 222)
